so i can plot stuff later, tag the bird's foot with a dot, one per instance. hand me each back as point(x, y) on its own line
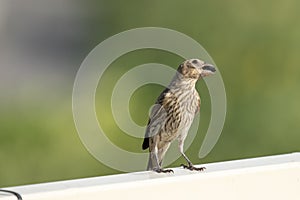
point(192, 168)
point(164, 170)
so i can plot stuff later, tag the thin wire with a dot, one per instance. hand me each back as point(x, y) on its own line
point(12, 192)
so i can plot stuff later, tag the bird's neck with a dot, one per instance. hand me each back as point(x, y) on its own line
point(182, 83)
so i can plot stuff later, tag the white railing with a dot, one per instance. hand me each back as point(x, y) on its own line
point(273, 177)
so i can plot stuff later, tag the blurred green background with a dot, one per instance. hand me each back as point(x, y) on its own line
point(255, 44)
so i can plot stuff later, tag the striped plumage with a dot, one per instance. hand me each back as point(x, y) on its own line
point(173, 113)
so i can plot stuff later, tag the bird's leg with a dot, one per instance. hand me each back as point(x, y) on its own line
point(190, 165)
point(158, 168)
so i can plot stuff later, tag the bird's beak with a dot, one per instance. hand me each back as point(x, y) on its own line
point(207, 69)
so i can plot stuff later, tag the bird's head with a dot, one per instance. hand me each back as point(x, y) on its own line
point(195, 69)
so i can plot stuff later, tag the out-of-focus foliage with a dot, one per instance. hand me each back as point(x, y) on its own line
point(255, 45)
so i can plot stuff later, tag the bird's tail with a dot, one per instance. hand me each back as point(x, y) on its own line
point(150, 164)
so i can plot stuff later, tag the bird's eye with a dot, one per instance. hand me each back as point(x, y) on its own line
point(195, 61)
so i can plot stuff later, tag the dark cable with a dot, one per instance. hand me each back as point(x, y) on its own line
point(12, 192)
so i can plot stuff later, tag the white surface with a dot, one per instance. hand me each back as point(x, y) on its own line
point(273, 177)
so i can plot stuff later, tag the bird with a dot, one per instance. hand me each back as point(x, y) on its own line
point(173, 113)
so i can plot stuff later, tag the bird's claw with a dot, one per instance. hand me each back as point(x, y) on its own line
point(192, 168)
point(164, 170)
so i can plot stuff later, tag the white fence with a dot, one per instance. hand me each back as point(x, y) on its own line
point(273, 177)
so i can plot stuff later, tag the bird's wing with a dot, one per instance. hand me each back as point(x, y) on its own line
point(198, 105)
point(157, 118)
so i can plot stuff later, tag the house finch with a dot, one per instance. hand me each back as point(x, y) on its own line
point(173, 114)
